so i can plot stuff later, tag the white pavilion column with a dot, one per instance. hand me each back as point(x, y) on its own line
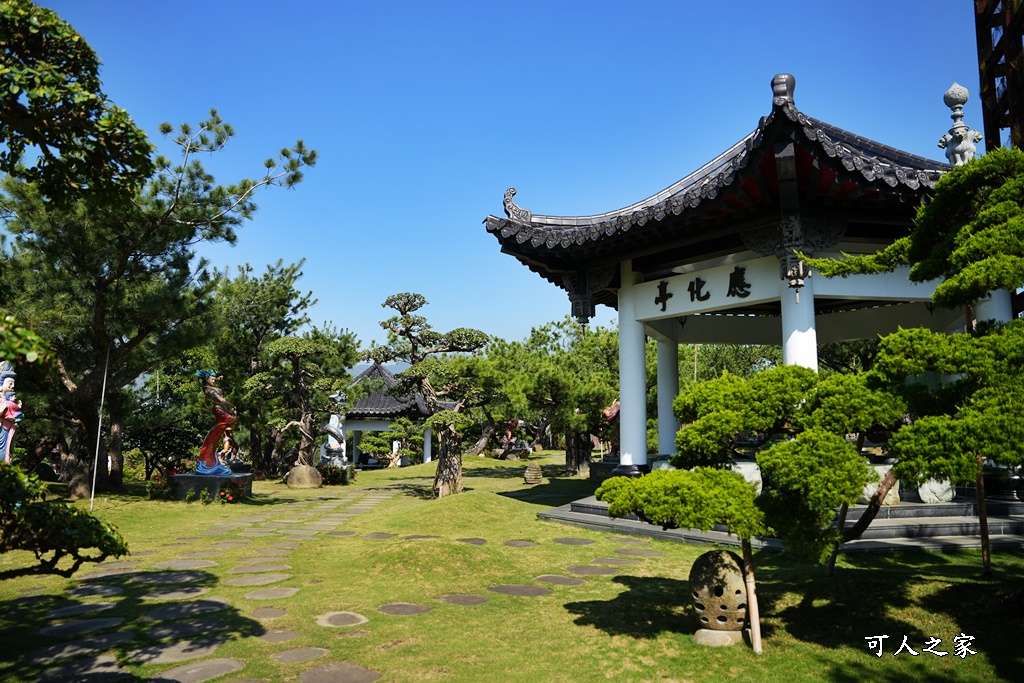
point(799, 338)
point(668, 389)
point(997, 306)
point(428, 436)
point(632, 380)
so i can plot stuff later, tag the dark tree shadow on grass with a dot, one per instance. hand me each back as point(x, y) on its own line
point(648, 608)
point(867, 599)
point(24, 652)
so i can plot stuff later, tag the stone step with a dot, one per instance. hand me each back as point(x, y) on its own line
point(906, 510)
point(909, 525)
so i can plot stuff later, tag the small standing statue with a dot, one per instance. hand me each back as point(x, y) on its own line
point(224, 416)
point(334, 452)
point(10, 409)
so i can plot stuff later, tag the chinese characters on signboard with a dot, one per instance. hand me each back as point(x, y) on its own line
point(738, 288)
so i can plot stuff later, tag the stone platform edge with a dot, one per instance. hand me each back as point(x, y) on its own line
point(195, 483)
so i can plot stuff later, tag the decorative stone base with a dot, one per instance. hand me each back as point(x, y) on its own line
point(712, 638)
point(194, 483)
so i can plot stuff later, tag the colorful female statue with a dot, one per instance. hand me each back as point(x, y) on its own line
point(10, 409)
point(224, 416)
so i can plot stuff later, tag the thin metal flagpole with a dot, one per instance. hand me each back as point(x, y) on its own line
point(99, 431)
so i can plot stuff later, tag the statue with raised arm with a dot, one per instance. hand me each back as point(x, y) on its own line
point(224, 416)
point(10, 409)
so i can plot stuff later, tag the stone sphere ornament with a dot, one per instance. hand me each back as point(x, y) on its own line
point(718, 592)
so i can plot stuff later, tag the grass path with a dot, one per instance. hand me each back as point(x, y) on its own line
point(375, 578)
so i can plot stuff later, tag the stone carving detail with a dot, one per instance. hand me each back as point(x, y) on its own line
point(582, 286)
point(959, 141)
point(515, 212)
point(794, 234)
point(718, 592)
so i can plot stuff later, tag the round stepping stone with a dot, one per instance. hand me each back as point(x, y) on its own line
point(339, 619)
point(639, 553)
point(192, 608)
point(378, 537)
point(189, 539)
point(119, 565)
point(338, 672)
point(205, 553)
point(627, 539)
point(418, 537)
point(520, 589)
point(591, 570)
point(102, 668)
point(75, 610)
point(617, 561)
point(472, 541)
point(340, 534)
point(520, 544)
point(259, 568)
point(557, 580)
point(257, 579)
point(269, 612)
point(73, 628)
point(107, 573)
point(302, 532)
point(181, 651)
point(403, 609)
point(272, 593)
point(354, 633)
point(228, 545)
point(573, 541)
point(77, 648)
point(259, 560)
point(299, 654)
point(280, 635)
point(193, 628)
point(275, 552)
point(176, 593)
point(290, 545)
point(145, 554)
point(184, 564)
point(466, 599)
point(200, 671)
point(183, 576)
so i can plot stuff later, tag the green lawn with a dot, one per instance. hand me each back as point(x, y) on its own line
point(634, 625)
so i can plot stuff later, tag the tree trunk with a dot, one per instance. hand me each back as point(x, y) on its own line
point(986, 551)
point(260, 464)
point(752, 607)
point(481, 444)
point(448, 478)
point(69, 461)
point(830, 568)
point(271, 451)
point(577, 453)
point(874, 505)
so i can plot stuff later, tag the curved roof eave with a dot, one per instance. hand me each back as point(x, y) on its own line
point(870, 161)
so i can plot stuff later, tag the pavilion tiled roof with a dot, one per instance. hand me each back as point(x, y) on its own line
point(383, 405)
point(837, 170)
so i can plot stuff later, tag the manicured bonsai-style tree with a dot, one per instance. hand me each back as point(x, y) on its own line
point(969, 237)
point(697, 499)
point(51, 531)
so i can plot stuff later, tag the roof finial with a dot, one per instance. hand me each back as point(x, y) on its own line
point(959, 141)
point(783, 86)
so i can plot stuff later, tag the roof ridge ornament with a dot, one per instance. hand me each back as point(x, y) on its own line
point(514, 212)
point(783, 87)
point(959, 141)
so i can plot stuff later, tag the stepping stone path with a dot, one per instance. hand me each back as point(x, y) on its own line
point(403, 609)
point(467, 599)
point(280, 635)
point(520, 589)
point(560, 580)
point(256, 547)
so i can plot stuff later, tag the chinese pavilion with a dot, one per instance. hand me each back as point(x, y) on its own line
point(713, 258)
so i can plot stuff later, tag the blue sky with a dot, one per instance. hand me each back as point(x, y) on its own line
point(425, 112)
